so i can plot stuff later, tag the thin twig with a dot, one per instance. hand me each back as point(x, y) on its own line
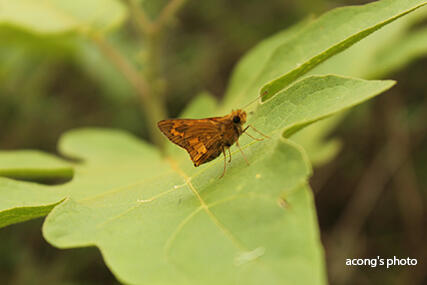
point(143, 23)
point(154, 46)
point(125, 67)
point(167, 14)
point(147, 87)
point(152, 108)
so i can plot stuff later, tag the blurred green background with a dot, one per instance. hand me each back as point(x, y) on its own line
point(370, 198)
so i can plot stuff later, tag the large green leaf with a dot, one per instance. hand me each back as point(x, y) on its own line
point(158, 221)
point(59, 16)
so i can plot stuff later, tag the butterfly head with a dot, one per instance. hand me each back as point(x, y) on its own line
point(238, 117)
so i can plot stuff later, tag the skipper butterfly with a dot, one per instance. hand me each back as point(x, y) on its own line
point(206, 139)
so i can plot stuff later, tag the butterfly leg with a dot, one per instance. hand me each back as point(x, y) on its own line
point(258, 131)
point(229, 155)
point(244, 157)
point(225, 163)
point(254, 138)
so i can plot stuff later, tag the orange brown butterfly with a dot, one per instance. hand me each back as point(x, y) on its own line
point(206, 139)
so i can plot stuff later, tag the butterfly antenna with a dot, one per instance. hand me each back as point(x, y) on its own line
point(260, 96)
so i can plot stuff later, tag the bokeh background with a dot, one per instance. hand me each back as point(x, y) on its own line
point(370, 196)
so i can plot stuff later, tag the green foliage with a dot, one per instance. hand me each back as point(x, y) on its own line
point(33, 165)
point(58, 16)
point(299, 52)
point(375, 56)
point(162, 221)
point(291, 55)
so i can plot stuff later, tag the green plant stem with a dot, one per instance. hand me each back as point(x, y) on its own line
point(148, 87)
point(167, 14)
point(152, 106)
point(143, 24)
point(155, 42)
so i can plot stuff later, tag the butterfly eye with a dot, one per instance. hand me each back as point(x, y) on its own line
point(236, 119)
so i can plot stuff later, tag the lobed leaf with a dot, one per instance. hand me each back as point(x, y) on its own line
point(149, 215)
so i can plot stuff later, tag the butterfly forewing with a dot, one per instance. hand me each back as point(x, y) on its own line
point(202, 138)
